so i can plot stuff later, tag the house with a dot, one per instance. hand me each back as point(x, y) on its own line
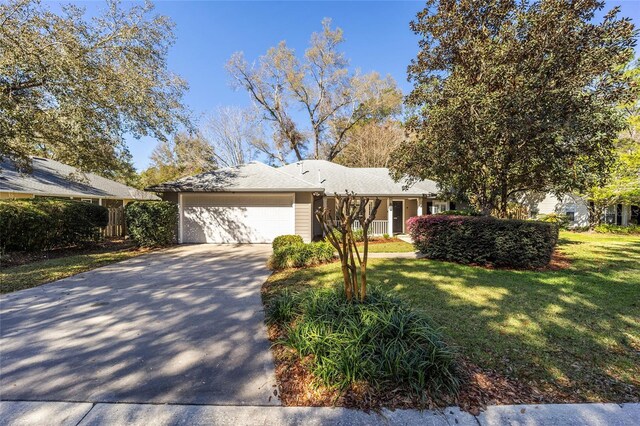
point(576, 209)
point(254, 203)
point(52, 179)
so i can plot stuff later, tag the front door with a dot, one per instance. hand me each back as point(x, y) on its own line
point(398, 216)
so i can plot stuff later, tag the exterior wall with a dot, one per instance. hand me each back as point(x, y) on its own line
point(304, 215)
point(410, 209)
point(381, 214)
point(14, 195)
point(567, 204)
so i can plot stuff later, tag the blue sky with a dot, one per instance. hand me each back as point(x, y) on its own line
point(207, 33)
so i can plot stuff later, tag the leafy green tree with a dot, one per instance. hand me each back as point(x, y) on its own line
point(622, 186)
point(333, 99)
point(184, 155)
point(512, 96)
point(71, 86)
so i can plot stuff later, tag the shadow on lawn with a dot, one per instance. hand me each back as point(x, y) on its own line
point(573, 334)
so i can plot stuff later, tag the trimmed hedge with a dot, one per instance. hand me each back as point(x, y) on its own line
point(286, 240)
point(299, 255)
point(484, 240)
point(41, 224)
point(152, 223)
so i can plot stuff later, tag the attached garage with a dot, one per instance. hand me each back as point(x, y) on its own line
point(250, 203)
point(236, 218)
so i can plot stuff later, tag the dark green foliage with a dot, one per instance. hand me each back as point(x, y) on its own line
point(484, 240)
point(380, 341)
point(299, 255)
point(152, 223)
point(459, 213)
point(32, 225)
point(513, 96)
point(285, 240)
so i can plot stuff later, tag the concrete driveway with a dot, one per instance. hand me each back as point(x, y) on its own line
point(183, 325)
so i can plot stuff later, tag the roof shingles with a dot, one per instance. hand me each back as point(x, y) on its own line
point(52, 178)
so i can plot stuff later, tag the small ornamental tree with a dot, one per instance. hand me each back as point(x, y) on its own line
point(339, 233)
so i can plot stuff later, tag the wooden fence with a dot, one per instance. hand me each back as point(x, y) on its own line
point(116, 227)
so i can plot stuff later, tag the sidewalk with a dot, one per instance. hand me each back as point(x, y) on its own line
point(72, 414)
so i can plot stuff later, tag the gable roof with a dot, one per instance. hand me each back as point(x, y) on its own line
point(335, 178)
point(250, 177)
point(52, 178)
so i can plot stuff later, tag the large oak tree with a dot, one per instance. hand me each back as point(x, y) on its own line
point(72, 86)
point(515, 95)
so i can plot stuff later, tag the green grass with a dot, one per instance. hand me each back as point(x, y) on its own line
point(44, 271)
point(391, 247)
point(573, 332)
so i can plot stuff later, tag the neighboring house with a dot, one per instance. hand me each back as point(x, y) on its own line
point(254, 203)
point(52, 179)
point(576, 209)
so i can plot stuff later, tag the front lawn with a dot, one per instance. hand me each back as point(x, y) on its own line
point(389, 246)
point(568, 333)
point(35, 273)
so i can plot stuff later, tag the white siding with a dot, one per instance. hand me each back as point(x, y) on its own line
point(568, 203)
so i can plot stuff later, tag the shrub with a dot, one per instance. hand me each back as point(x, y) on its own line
point(459, 213)
point(484, 240)
point(152, 223)
point(380, 341)
point(562, 221)
point(299, 255)
point(385, 236)
point(617, 229)
point(39, 224)
point(285, 240)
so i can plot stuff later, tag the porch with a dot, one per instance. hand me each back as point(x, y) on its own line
point(392, 215)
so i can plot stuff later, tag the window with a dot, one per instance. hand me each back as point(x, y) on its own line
point(86, 200)
point(571, 216)
point(438, 207)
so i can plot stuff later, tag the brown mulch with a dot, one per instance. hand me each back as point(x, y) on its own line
point(480, 388)
point(298, 387)
point(559, 261)
point(23, 258)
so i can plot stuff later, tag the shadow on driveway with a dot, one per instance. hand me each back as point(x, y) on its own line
point(184, 325)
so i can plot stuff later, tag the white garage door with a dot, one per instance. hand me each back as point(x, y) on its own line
point(236, 218)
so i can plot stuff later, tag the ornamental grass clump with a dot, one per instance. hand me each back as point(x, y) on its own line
point(379, 341)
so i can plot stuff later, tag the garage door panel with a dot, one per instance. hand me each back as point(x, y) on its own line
point(239, 219)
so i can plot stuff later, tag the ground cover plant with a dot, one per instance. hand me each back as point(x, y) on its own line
point(377, 347)
point(566, 333)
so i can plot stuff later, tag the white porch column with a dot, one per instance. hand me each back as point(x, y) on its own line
point(419, 212)
point(390, 216)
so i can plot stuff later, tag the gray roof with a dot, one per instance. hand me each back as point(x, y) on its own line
point(335, 178)
point(251, 177)
point(52, 178)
